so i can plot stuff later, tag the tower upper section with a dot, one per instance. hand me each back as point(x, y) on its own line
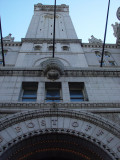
point(41, 25)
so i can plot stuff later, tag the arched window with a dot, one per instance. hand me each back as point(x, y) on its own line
point(98, 54)
point(107, 54)
point(37, 48)
point(65, 48)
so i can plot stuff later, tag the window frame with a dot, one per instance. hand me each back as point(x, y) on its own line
point(29, 86)
point(53, 86)
point(78, 86)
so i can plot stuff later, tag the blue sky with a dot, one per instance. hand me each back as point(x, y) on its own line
point(88, 17)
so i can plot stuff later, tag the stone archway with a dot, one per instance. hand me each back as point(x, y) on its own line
point(58, 133)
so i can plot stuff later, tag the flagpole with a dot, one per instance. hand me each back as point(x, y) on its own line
point(54, 29)
point(105, 34)
point(2, 43)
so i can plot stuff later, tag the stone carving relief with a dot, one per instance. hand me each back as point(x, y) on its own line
point(52, 68)
point(106, 136)
point(118, 13)
point(51, 16)
point(116, 27)
point(8, 38)
point(94, 40)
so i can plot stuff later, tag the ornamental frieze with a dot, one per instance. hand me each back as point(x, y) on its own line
point(81, 124)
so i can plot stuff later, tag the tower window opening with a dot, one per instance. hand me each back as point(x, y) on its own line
point(51, 33)
point(37, 48)
point(50, 48)
point(65, 48)
point(29, 91)
point(53, 92)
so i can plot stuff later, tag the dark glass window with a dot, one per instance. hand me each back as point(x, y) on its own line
point(53, 92)
point(77, 92)
point(76, 95)
point(29, 91)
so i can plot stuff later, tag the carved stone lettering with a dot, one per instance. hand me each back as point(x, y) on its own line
point(1, 139)
point(100, 133)
point(30, 125)
point(75, 124)
point(43, 123)
point(118, 148)
point(18, 129)
point(54, 122)
point(88, 128)
point(110, 139)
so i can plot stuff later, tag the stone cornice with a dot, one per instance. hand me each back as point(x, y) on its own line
point(40, 40)
point(13, 44)
point(59, 8)
point(105, 107)
point(76, 72)
point(89, 45)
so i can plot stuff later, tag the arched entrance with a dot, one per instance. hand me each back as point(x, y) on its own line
point(58, 134)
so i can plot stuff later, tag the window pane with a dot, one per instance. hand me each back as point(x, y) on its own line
point(30, 93)
point(28, 100)
point(77, 100)
point(53, 93)
point(50, 100)
point(76, 93)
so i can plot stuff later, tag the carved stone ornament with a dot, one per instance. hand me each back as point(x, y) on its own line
point(116, 27)
point(52, 68)
point(118, 13)
point(8, 38)
point(53, 74)
point(94, 40)
point(83, 125)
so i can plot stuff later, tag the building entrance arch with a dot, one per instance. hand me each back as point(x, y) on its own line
point(58, 134)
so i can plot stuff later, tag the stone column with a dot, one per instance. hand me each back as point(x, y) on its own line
point(65, 92)
point(41, 92)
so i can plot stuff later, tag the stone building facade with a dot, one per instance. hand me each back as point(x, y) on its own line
point(66, 107)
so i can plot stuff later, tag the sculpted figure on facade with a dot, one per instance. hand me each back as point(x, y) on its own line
point(116, 28)
point(8, 38)
point(94, 40)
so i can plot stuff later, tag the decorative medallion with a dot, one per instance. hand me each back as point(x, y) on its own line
point(52, 68)
point(118, 13)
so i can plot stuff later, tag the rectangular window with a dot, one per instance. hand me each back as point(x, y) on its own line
point(77, 92)
point(29, 91)
point(53, 92)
